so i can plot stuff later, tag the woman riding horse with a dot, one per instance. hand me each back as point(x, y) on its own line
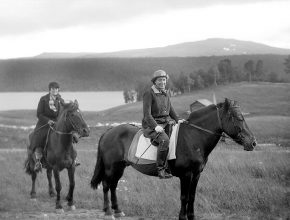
point(59, 153)
point(159, 116)
point(47, 112)
point(197, 137)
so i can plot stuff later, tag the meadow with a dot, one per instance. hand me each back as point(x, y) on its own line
point(234, 185)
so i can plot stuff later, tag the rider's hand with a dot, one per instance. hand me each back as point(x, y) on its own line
point(50, 122)
point(75, 138)
point(180, 121)
point(159, 129)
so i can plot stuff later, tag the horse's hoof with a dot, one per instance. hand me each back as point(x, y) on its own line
point(109, 217)
point(59, 211)
point(52, 194)
point(119, 214)
point(32, 195)
point(72, 207)
point(33, 199)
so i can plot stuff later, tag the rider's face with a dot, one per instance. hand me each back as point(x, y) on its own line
point(54, 91)
point(160, 82)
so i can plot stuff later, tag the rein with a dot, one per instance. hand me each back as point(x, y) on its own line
point(59, 132)
point(209, 131)
point(66, 133)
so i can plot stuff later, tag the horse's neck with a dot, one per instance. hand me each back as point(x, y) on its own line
point(209, 121)
point(61, 126)
point(63, 134)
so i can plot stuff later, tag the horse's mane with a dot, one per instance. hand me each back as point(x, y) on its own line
point(228, 106)
point(201, 112)
point(65, 108)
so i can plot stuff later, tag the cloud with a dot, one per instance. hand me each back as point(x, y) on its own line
point(25, 16)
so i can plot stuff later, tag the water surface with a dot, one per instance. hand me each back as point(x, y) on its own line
point(88, 101)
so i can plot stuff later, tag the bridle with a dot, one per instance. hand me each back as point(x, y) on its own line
point(239, 135)
point(75, 127)
point(206, 130)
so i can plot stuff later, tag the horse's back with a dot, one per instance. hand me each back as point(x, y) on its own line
point(115, 142)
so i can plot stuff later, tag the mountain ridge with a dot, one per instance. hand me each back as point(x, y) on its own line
point(208, 47)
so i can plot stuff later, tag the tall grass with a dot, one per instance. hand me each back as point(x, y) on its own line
point(234, 182)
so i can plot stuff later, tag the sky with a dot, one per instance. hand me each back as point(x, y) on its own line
point(32, 27)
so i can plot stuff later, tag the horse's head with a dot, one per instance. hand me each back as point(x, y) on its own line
point(234, 125)
point(74, 119)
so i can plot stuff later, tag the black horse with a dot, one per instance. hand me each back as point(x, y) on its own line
point(58, 152)
point(197, 138)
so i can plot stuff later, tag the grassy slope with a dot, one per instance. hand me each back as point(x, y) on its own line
point(261, 99)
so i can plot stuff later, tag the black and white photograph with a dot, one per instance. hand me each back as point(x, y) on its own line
point(145, 110)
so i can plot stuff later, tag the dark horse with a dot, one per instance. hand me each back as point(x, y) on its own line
point(58, 152)
point(197, 138)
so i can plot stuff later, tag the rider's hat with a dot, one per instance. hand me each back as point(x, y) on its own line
point(159, 73)
point(54, 85)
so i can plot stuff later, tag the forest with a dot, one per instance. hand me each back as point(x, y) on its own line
point(110, 74)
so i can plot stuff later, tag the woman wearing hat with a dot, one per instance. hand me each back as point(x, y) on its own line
point(47, 112)
point(158, 117)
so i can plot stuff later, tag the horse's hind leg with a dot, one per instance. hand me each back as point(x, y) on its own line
point(51, 191)
point(115, 206)
point(58, 189)
point(119, 170)
point(107, 208)
point(70, 195)
point(33, 192)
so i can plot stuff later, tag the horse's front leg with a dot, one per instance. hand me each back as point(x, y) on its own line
point(70, 195)
point(33, 191)
point(184, 194)
point(192, 191)
point(58, 205)
point(51, 191)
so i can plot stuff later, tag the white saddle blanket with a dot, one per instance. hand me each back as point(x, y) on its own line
point(151, 152)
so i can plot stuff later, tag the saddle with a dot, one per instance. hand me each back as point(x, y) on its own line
point(142, 151)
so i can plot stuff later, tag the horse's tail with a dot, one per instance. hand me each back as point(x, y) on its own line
point(99, 169)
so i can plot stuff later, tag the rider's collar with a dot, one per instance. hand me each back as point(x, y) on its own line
point(155, 90)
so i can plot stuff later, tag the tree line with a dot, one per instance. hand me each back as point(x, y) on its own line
point(115, 74)
point(222, 73)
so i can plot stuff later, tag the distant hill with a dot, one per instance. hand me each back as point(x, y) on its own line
point(108, 74)
point(209, 47)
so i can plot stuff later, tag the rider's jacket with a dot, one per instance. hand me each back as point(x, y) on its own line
point(45, 112)
point(157, 108)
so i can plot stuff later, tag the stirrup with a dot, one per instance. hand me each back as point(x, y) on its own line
point(76, 163)
point(38, 166)
point(162, 174)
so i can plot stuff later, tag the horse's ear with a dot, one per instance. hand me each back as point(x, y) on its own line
point(227, 105)
point(76, 103)
point(236, 104)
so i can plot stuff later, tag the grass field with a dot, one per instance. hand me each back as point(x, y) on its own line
point(234, 185)
point(235, 182)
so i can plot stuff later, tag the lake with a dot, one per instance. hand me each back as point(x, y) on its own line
point(88, 101)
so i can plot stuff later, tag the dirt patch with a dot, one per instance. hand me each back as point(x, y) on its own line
point(67, 215)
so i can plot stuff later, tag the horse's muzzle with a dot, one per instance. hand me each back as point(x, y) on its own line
point(251, 146)
point(85, 132)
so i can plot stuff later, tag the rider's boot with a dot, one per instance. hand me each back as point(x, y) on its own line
point(161, 164)
point(38, 156)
